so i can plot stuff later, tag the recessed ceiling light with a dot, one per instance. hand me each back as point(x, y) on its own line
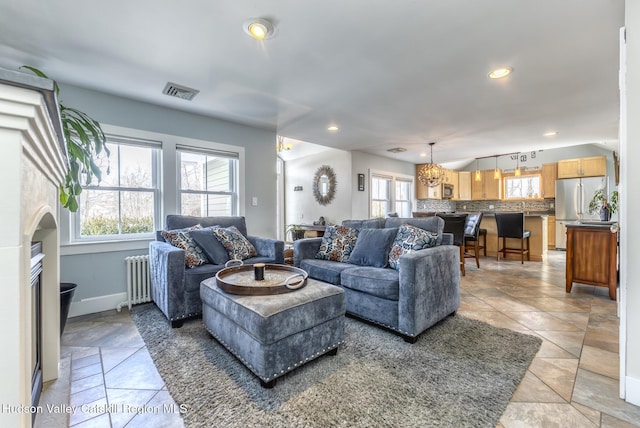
point(258, 28)
point(501, 72)
point(333, 128)
point(550, 133)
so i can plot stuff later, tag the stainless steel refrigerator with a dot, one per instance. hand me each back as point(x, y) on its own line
point(572, 203)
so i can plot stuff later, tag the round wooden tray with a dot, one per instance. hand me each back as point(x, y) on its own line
point(278, 279)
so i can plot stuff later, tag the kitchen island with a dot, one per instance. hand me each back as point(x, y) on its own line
point(592, 255)
point(537, 224)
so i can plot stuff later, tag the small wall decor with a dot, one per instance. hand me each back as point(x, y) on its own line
point(324, 185)
point(361, 182)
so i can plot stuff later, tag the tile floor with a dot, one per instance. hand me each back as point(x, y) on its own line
point(572, 382)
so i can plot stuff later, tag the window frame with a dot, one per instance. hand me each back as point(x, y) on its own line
point(234, 174)
point(394, 178)
point(525, 174)
point(156, 190)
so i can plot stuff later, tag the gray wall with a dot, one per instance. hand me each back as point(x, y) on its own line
point(301, 206)
point(101, 272)
point(362, 163)
point(550, 156)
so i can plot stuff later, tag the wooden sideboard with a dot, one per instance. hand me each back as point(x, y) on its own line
point(592, 256)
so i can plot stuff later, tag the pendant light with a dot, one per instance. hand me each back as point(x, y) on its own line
point(496, 172)
point(478, 174)
point(517, 172)
point(431, 174)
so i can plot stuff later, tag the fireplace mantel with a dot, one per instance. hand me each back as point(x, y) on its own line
point(33, 164)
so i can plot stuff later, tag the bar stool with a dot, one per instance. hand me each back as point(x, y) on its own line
point(511, 225)
point(455, 224)
point(472, 237)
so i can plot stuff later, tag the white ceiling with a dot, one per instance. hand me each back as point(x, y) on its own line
point(388, 73)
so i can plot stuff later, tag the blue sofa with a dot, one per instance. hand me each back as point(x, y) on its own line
point(424, 290)
point(175, 288)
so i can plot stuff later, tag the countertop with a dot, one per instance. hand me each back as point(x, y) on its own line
point(594, 224)
point(526, 213)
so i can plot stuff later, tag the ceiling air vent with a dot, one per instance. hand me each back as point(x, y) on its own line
point(397, 150)
point(179, 91)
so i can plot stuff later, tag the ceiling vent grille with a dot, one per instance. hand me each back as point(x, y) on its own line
point(397, 150)
point(179, 91)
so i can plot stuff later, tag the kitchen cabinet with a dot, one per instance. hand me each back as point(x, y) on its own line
point(464, 186)
point(549, 176)
point(595, 166)
point(551, 240)
point(487, 188)
point(422, 191)
point(452, 177)
point(592, 254)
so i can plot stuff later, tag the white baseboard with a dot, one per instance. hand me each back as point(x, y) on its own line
point(96, 304)
point(632, 390)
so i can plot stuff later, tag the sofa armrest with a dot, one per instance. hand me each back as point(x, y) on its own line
point(268, 247)
point(429, 287)
point(167, 270)
point(447, 239)
point(305, 249)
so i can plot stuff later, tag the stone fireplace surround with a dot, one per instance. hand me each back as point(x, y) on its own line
point(32, 165)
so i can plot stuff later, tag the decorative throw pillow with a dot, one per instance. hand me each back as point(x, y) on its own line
point(207, 240)
point(237, 246)
point(181, 238)
point(372, 247)
point(410, 238)
point(337, 243)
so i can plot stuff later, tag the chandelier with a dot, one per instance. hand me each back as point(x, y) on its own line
point(431, 174)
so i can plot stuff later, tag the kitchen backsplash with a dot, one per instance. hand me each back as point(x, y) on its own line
point(449, 206)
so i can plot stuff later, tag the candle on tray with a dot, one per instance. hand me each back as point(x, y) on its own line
point(258, 271)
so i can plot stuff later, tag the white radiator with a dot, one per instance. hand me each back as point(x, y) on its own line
point(138, 282)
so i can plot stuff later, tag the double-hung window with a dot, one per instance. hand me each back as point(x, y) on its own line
point(403, 197)
point(208, 182)
point(380, 196)
point(126, 203)
point(390, 192)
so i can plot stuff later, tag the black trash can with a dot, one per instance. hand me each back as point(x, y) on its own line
point(66, 296)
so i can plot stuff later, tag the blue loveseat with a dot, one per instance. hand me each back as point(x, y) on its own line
point(422, 291)
point(175, 288)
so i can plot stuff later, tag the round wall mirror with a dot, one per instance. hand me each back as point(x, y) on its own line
point(324, 185)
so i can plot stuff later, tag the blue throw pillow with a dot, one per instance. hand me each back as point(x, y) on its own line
point(409, 239)
point(211, 246)
point(372, 247)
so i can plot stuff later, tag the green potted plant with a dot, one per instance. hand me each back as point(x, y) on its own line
point(602, 204)
point(296, 231)
point(85, 143)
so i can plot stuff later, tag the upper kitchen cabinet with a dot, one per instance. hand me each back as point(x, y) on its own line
point(452, 177)
point(549, 175)
point(595, 166)
point(422, 191)
point(487, 188)
point(464, 186)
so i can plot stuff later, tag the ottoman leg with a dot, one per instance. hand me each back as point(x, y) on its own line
point(333, 352)
point(177, 323)
point(270, 384)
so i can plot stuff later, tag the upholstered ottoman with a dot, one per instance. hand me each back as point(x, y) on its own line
point(274, 334)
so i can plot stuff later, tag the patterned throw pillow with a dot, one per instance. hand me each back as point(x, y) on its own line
point(234, 242)
point(181, 238)
point(408, 239)
point(337, 243)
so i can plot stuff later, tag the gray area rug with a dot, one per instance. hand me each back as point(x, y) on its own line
point(460, 373)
